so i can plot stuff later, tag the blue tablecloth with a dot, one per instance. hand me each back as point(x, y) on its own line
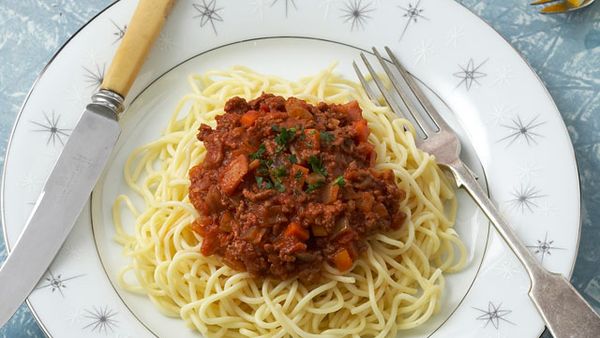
point(563, 49)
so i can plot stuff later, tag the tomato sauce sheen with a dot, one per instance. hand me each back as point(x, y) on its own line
point(286, 186)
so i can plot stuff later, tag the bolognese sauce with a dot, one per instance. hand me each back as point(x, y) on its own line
point(286, 186)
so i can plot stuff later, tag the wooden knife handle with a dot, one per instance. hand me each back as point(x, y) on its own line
point(143, 29)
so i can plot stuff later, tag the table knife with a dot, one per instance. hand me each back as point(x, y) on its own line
point(67, 189)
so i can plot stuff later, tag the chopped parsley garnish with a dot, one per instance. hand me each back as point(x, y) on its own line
point(326, 137)
point(340, 181)
point(263, 169)
point(316, 164)
point(314, 186)
point(266, 183)
point(285, 136)
point(298, 175)
point(279, 171)
point(262, 183)
point(259, 153)
point(293, 159)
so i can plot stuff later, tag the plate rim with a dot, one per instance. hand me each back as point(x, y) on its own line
point(563, 126)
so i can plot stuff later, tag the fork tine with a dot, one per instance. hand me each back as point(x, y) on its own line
point(393, 104)
point(402, 91)
point(370, 93)
point(427, 106)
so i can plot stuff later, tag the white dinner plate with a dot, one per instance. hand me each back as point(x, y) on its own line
point(513, 135)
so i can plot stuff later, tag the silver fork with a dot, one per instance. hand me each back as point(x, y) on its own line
point(563, 309)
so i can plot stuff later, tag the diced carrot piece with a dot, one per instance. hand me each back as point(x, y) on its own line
point(294, 229)
point(353, 110)
point(297, 108)
point(342, 260)
point(208, 246)
point(362, 130)
point(233, 174)
point(249, 118)
point(254, 164)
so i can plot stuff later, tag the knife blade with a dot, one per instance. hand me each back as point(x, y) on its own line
point(64, 195)
point(80, 164)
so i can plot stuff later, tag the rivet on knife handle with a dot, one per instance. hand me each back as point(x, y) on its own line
point(142, 31)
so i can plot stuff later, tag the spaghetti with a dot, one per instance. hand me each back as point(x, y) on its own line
point(396, 284)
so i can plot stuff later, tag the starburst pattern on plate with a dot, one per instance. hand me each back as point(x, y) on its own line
point(76, 94)
point(528, 170)
point(494, 315)
point(31, 182)
point(74, 317)
point(507, 268)
point(546, 208)
point(522, 130)
point(119, 33)
point(424, 51)
point(56, 282)
point(412, 13)
point(453, 36)
point(326, 5)
point(208, 13)
point(50, 125)
point(544, 247)
point(500, 113)
point(165, 41)
point(357, 13)
point(260, 6)
point(525, 198)
point(94, 76)
point(289, 4)
point(470, 74)
point(503, 76)
point(101, 320)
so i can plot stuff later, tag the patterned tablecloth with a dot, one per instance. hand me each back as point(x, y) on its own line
point(563, 49)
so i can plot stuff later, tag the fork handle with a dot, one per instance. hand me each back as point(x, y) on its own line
point(563, 309)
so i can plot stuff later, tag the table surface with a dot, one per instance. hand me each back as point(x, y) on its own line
point(563, 49)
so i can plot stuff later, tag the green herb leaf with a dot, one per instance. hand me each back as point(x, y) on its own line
point(279, 171)
point(340, 181)
point(316, 164)
point(259, 153)
point(263, 169)
point(298, 175)
point(326, 137)
point(279, 186)
point(259, 180)
point(285, 136)
point(293, 159)
point(314, 186)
